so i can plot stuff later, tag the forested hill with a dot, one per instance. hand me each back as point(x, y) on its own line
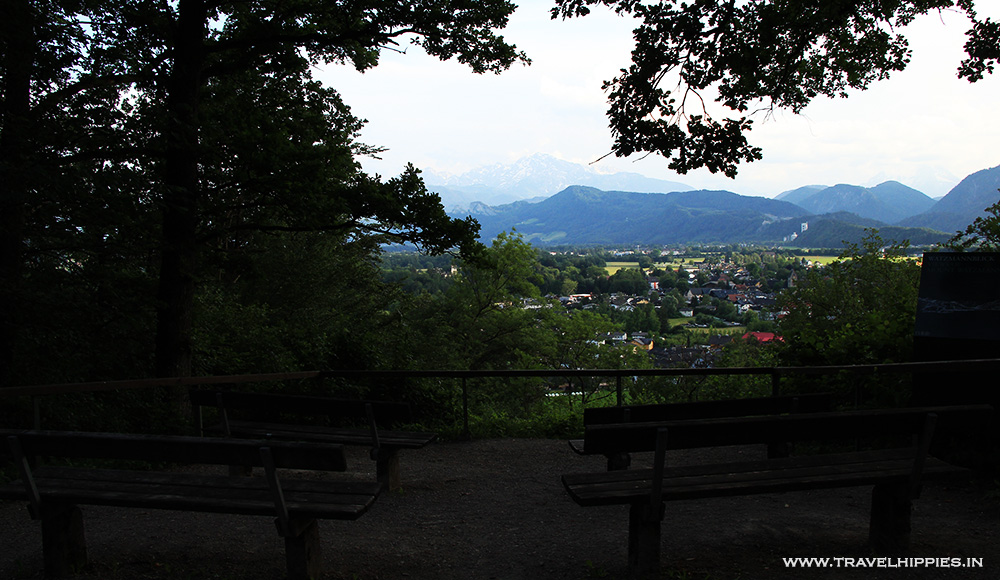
point(832, 230)
point(963, 204)
point(585, 215)
point(889, 202)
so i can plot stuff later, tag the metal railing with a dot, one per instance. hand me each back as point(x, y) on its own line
point(36, 392)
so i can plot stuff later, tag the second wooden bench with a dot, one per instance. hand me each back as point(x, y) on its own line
point(776, 405)
point(345, 422)
point(895, 468)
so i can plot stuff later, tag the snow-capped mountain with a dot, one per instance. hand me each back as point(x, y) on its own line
point(536, 177)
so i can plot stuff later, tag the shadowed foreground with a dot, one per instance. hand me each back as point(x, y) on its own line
point(496, 509)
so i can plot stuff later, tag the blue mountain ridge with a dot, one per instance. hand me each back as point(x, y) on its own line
point(581, 215)
point(586, 215)
point(589, 215)
point(963, 204)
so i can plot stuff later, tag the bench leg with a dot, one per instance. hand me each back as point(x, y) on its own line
point(64, 547)
point(643, 543)
point(889, 530)
point(302, 551)
point(387, 468)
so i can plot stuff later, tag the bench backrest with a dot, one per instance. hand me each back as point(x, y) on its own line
point(805, 403)
point(385, 412)
point(717, 432)
point(173, 449)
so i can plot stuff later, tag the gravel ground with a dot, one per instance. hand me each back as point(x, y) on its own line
point(495, 509)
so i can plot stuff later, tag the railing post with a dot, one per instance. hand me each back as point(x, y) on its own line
point(466, 434)
point(619, 389)
point(775, 383)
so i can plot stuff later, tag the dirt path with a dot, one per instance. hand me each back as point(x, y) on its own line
point(495, 509)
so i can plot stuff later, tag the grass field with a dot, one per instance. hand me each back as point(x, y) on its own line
point(733, 330)
point(672, 264)
point(613, 267)
point(821, 259)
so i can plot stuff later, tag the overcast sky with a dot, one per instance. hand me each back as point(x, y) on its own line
point(920, 125)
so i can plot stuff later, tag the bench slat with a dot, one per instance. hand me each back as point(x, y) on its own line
point(202, 479)
point(386, 412)
point(805, 403)
point(706, 481)
point(220, 494)
point(178, 449)
point(284, 431)
point(218, 487)
point(167, 501)
point(717, 432)
point(775, 405)
point(759, 464)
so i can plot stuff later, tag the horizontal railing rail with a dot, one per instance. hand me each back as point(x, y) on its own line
point(776, 374)
point(62, 388)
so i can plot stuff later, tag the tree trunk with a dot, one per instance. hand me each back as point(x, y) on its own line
point(19, 57)
point(181, 193)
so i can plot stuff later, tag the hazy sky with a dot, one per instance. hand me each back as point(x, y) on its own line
point(441, 116)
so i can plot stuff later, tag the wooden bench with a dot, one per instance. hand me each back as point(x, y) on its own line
point(274, 416)
point(777, 405)
point(54, 493)
point(895, 469)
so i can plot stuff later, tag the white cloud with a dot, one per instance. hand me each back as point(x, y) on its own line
point(442, 116)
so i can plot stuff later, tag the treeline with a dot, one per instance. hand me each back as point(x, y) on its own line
point(180, 195)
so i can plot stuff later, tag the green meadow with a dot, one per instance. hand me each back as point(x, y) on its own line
point(613, 267)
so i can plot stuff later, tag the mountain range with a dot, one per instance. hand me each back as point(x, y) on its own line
point(887, 202)
point(535, 177)
point(590, 209)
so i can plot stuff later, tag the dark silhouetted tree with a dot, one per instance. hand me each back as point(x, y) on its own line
point(757, 57)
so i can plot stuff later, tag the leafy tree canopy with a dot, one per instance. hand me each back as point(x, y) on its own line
point(859, 309)
point(761, 55)
point(200, 125)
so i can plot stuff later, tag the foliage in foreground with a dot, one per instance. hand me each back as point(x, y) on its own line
point(756, 57)
point(982, 235)
point(139, 141)
point(859, 309)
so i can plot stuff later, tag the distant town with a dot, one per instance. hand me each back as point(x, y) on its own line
point(681, 305)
